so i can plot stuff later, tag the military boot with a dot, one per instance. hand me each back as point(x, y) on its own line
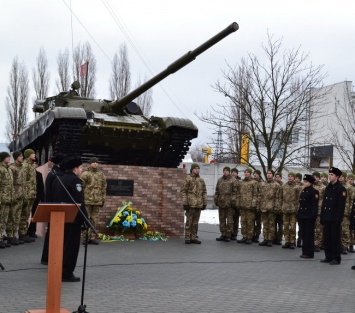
point(292, 245)
point(243, 240)
point(316, 249)
point(255, 239)
point(263, 243)
point(25, 239)
point(343, 251)
point(286, 245)
point(269, 243)
point(227, 239)
point(13, 241)
point(2, 245)
point(233, 237)
point(248, 241)
point(351, 249)
point(221, 238)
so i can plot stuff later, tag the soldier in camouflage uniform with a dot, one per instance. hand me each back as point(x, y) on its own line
point(30, 190)
point(248, 194)
point(225, 198)
point(278, 216)
point(16, 206)
point(236, 214)
point(345, 230)
point(6, 195)
point(318, 242)
point(324, 178)
point(94, 186)
point(351, 178)
point(194, 198)
point(269, 201)
point(257, 223)
point(289, 206)
point(299, 184)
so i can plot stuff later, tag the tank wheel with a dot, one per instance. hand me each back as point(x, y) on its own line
point(38, 156)
point(50, 151)
point(43, 156)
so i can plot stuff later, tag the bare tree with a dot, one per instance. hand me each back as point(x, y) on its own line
point(63, 63)
point(40, 75)
point(120, 81)
point(343, 131)
point(17, 99)
point(269, 106)
point(83, 53)
point(145, 100)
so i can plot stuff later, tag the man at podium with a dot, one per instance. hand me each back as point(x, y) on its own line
point(73, 185)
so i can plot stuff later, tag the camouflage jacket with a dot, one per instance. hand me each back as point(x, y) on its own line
point(193, 191)
point(19, 180)
point(6, 184)
point(94, 184)
point(320, 187)
point(249, 193)
point(30, 179)
point(349, 199)
point(226, 192)
point(269, 196)
point(289, 197)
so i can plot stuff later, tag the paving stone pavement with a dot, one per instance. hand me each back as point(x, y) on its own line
point(160, 277)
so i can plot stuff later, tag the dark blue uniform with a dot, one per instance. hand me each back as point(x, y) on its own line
point(331, 216)
point(307, 214)
point(72, 231)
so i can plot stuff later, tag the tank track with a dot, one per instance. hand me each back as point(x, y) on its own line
point(69, 137)
point(173, 151)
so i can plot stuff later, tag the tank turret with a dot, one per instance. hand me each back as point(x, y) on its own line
point(116, 132)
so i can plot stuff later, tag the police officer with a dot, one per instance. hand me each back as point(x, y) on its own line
point(307, 214)
point(72, 231)
point(332, 214)
point(94, 183)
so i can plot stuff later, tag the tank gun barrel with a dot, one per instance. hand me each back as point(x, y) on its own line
point(175, 66)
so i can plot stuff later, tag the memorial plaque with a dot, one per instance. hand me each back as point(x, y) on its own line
point(120, 187)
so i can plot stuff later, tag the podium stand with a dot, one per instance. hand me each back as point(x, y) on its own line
point(57, 215)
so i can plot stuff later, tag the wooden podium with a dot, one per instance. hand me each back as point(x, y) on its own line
point(57, 215)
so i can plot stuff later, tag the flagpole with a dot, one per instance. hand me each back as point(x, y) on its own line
point(86, 78)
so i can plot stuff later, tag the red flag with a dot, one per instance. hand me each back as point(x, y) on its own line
point(84, 69)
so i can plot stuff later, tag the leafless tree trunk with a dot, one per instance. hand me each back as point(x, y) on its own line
point(270, 104)
point(83, 53)
point(343, 132)
point(17, 99)
point(120, 81)
point(145, 100)
point(40, 75)
point(63, 62)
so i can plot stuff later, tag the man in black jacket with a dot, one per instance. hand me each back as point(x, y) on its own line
point(332, 214)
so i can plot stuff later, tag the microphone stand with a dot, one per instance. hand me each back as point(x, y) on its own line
point(87, 225)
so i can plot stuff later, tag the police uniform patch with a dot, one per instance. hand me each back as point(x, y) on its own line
point(78, 187)
point(344, 193)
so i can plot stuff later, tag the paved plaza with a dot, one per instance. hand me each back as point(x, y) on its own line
point(157, 277)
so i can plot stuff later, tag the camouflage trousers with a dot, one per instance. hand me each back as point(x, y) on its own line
point(278, 226)
point(318, 233)
point(13, 220)
point(25, 215)
point(289, 223)
point(4, 213)
point(257, 224)
point(93, 214)
point(352, 238)
point(236, 216)
point(247, 221)
point(268, 221)
point(345, 233)
point(192, 218)
point(226, 221)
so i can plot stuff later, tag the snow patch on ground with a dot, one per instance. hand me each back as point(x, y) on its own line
point(209, 217)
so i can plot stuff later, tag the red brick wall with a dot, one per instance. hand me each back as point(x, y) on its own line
point(156, 196)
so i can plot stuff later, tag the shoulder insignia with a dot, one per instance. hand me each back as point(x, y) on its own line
point(316, 195)
point(344, 193)
point(78, 187)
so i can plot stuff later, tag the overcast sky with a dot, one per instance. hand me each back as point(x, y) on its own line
point(163, 31)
